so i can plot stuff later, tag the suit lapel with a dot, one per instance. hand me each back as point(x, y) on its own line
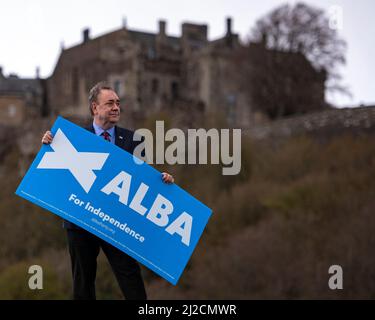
point(91, 129)
point(122, 140)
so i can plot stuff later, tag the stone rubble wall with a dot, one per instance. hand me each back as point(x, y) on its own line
point(324, 122)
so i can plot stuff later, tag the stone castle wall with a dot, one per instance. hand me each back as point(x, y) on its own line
point(326, 122)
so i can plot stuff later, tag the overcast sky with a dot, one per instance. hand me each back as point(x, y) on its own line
point(31, 31)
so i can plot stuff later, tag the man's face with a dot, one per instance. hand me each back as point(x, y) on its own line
point(107, 109)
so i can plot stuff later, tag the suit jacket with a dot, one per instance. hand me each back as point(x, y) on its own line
point(124, 140)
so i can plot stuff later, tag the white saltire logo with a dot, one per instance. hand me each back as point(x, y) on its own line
point(80, 164)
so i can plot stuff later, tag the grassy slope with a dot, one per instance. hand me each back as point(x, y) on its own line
point(298, 207)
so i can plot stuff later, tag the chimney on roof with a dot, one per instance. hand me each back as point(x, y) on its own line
point(1, 72)
point(264, 39)
point(229, 26)
point(162, 27)
point(86, 35)
point(124, 23)
point(37, 72)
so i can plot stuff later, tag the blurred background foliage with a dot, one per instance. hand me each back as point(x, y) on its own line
point(299, 205)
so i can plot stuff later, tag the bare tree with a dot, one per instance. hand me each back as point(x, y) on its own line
point(306, 30)
point(290, 60)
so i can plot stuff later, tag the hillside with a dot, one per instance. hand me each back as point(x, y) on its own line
point(300, 205)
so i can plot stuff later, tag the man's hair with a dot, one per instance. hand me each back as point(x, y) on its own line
point(95, 91)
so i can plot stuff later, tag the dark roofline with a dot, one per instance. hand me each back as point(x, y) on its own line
point(18, 85)
point(91, 39)
point(131, 31)
point(234, 35)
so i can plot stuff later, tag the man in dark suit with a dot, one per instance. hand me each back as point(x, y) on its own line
point(84, 247)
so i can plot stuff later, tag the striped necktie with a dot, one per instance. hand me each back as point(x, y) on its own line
point(106, 136)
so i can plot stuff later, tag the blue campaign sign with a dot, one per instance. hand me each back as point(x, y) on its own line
point(100, 187)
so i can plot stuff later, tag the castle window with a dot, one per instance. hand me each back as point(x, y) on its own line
point(75, 83)
point(117, 86)
point(151, 53)
point(154, 86)
point(174, 90)
point(12, 110)
point(231, 105)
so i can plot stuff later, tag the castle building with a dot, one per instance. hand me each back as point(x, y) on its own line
point(20, 98)
point(187, 77)
point(151, 72)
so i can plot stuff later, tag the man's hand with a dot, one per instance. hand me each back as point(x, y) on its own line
point(47, 137)
point(167, 178)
